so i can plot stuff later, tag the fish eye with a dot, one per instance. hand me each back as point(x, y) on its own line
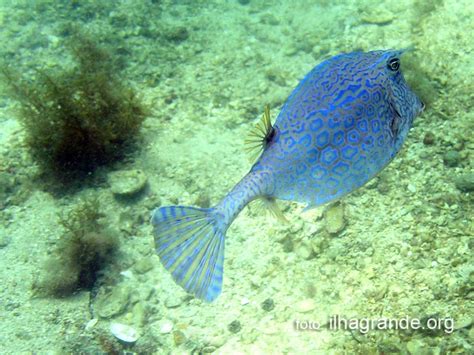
point(393, 64)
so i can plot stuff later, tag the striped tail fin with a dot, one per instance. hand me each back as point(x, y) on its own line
point(190, 244)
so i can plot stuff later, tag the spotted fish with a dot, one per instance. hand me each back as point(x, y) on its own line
point(343, 123)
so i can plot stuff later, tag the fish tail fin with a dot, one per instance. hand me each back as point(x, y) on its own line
point(190, 244)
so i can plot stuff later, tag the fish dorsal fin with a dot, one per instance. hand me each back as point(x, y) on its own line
point(260, 135)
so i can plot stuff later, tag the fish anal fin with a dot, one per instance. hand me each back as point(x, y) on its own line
point(272, 206)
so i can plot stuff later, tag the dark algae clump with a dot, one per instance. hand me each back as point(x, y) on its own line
point(82, 253)
point(79, 118)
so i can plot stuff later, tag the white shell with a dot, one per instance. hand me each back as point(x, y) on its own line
point(124, 332)
point(91, 324)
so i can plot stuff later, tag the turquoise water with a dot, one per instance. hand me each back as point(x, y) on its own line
point(400, 248)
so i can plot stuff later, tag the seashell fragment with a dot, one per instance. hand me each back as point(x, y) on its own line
point(124, 332)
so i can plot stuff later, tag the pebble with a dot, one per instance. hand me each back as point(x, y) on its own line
point(268, 304)
point(451, 158)
point(305, 306)
point(124, 332)
point(415, 346)
point(471, 334)
point(177, 34)
point(173, 302)
point(4, 240)
point(143, 266)
point(179, 337)
point(429, 139)
point(334, 219)
point(304, 250)
point(234, 326)
point(209, 349)
point(113, 303)
point(465, 182)
point(127, 183)
point(244, 301)
point(165, 326)
point(91, 324)
point(378, 16)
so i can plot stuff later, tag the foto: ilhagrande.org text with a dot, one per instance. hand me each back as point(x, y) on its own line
point(364, 325)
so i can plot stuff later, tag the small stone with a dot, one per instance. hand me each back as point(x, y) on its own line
point(178, 34)
point(124, 332)
point(173, 302)
point(112, 303)
point(378, 16)
point(4, 240)
point(463, 322)
point(334, 218)
point(465, 182)
point(415, 346)
point(179, 337)
point(429, 139)
point(216, 341)
point(305, 306)
point(304, 250)
point(165, 326)
point(268, 304)
point(143, 266)
point(451, 158)
point(234, 327)
point(91, 324)
point(139, 314)
point(126, 183)
point(471, 334)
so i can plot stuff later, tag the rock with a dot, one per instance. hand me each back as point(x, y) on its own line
point(378, 16)
point(91, 324)
point(179, 337)
point(305, 306)
point(4, 239)
point(173, 302)
point(178, 34)
point(465, 182)
point(126, 183)
point(471, 334)
point(216, 341)
point(429, 139)
point(234, 327)
point(165, 326)
point(143, 266)
point(124, 332)
point(451, 158)
point(304, 250)
point(334, 219)
point(139, 314)
point(268, 304)
point(416, 346)
point(112, 303)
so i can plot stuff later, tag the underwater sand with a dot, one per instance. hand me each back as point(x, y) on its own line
point(208, 69)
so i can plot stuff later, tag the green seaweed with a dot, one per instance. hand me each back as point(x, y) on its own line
point(82, 253)
point(79, 118)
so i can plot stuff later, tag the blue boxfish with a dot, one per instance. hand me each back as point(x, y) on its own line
point(343, 123)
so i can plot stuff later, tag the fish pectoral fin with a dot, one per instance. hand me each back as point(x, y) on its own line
point(272, 206)
point(258, 138)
